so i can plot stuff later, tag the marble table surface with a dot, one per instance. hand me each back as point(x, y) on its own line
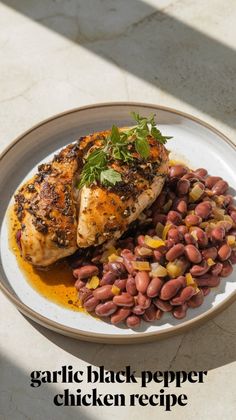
point(60, 54)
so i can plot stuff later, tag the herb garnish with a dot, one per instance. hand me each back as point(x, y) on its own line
point(117, 145)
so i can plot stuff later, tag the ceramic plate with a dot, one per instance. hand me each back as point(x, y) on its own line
point(193, 141)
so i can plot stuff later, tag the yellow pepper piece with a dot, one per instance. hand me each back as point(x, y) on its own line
point(231, 240)
point(115, 290)
point(195, 193)
point(153, 242)
point(190, 281)
point(175, 269)
point(141, 265)
point(210, 262)
point(114, 257)
point(93, 283)
point(166, 230)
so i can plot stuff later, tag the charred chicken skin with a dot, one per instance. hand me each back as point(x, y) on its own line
point(57, 216)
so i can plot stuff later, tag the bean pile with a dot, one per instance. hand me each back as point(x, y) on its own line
point(169, 259)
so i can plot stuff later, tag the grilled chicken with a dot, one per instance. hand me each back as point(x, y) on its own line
point(57, 218)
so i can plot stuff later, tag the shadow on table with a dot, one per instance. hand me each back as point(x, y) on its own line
point(204, 348)
point(148, 43)
point(20, 401)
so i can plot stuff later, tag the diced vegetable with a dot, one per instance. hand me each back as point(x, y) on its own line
point(190, 281)
point(93, 283)
point(157, 270)
point(159, 229)
point(143, 251)
point(154, 242)
point(195, 193)
point(115, 290)
point(231, 240)
point(141, 265)
point(167, 206)
point(111, 250)
point(210, 262)
point(115, 257)
point(175, 268)
point(166, 230)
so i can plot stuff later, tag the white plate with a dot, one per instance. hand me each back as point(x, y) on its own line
point(194, 141)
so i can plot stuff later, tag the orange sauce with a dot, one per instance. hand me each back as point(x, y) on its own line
point(55, 284)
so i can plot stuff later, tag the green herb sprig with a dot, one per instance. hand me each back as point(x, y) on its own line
point(117, 145)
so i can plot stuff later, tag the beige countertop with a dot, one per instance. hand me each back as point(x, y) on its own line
point(56, 55)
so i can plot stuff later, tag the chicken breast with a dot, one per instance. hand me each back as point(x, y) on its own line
point(46, 209)
point(57, 217)
point(105, 213)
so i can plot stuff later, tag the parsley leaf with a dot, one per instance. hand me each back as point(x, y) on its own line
point(110, 177)
point(142, 147)
point(119, 145)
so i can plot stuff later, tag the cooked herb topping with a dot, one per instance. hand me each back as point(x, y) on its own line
point(120, 145)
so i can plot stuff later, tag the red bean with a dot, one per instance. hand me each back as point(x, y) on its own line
point(125, 299)
point(138, 310)
point(202, 238)
point(118, 268)
point(227, 269)
point(199, 270)
point(120, 315)
point(179, 312)
point(131, 286)
point(133, 321)
point(150, 313)
point(79, 284)
point(177, 171)
point(220, 187)
point(106, 309)
point(84, 294)
point(175, 235)
point(196, 300)
point(143, 301)
point(120, 283)
point(218, 234)
point(203, 209)
point(208, 280)
point(171, 287)
point(212, 180)
point(228, 200)
point(162, 305)
point(201, 172)
point(193, 254)
point(85, 272)
point(210, 253)
point(175, 252)
point(181, 207)
point(183, 296)
point(216, 269)
point(159, 313)
point(224, 252)
point(142, 281)
point(174, 217)
point(128, 257)
point(189, 239)
point(193, 220)
point(91, 304)
point(183, 186)
point(108, 278)
point(154, 287)
point(182, 229)
point(159, 257)
point(103, 292)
